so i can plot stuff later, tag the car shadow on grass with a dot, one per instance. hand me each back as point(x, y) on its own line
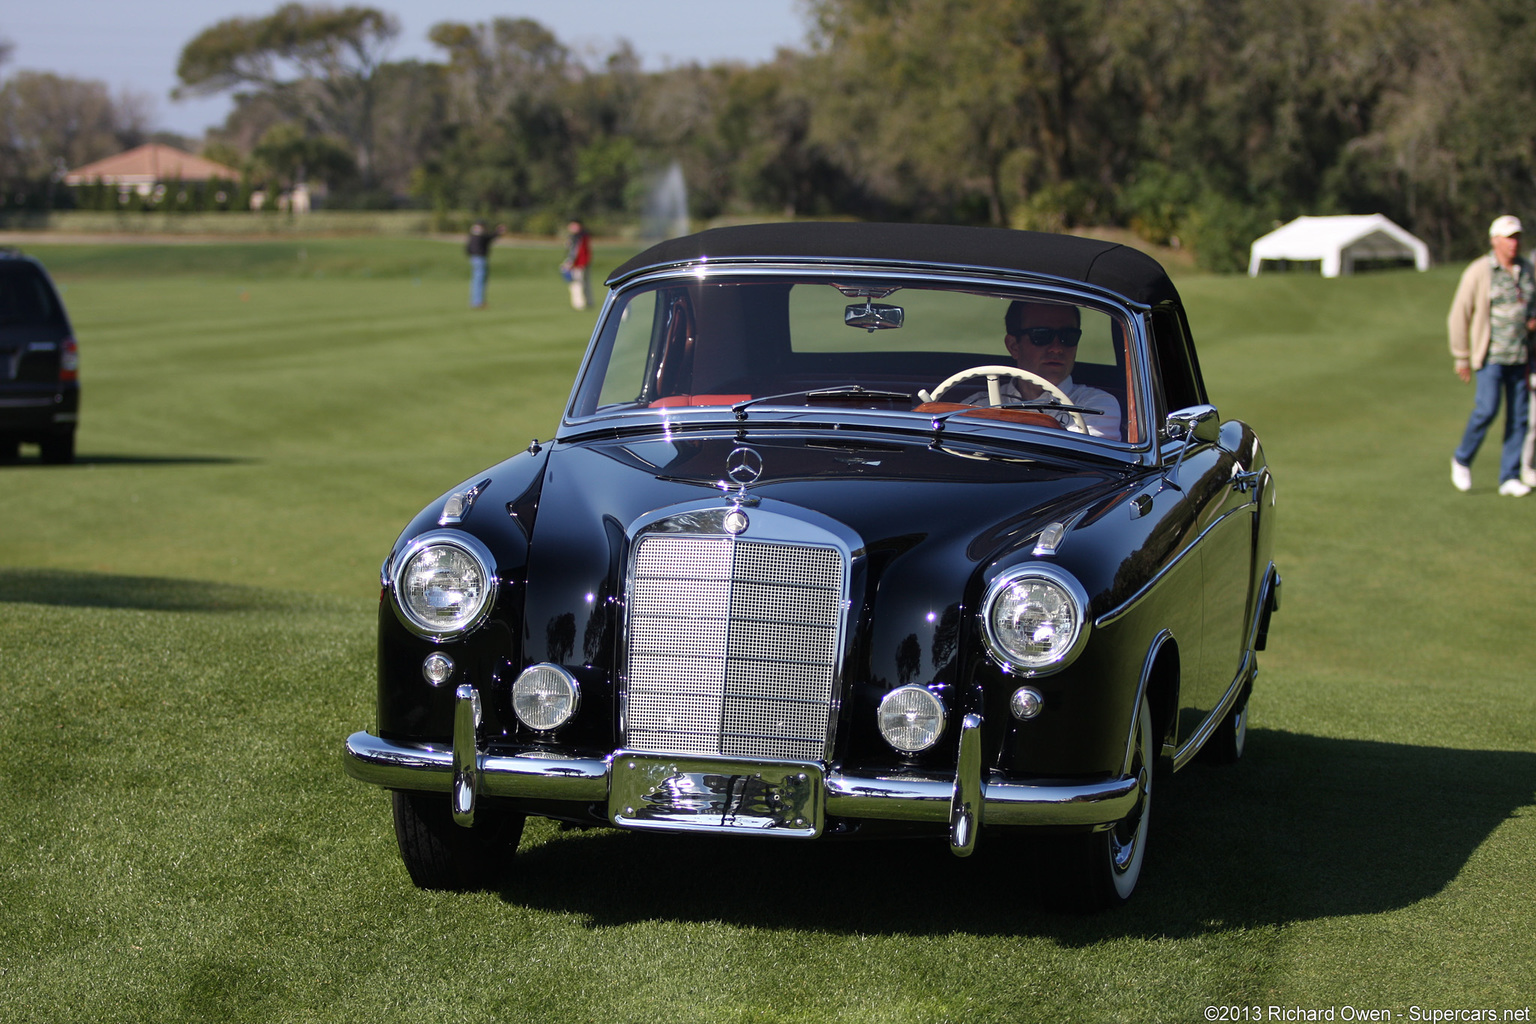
point(143, 593)
point(87, 461)
point(1304, 827)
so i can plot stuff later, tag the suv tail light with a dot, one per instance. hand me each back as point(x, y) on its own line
point(69, 361)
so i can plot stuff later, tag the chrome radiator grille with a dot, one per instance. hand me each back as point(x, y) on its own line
point(733, 646)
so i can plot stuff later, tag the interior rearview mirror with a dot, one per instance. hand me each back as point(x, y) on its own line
point(873, 316)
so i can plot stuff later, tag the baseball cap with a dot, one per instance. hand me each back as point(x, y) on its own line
point(1504, 226)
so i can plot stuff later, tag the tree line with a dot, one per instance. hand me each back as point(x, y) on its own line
point(1197, 123)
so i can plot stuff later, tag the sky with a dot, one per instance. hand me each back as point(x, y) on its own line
point(135, 46)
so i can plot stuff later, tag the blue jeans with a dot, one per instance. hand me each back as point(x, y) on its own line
point(478, 268)
point(1495, 382)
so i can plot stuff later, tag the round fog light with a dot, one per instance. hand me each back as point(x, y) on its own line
point(911, 719)
point(545, 697)
point(437, 669)
point(1026, 703)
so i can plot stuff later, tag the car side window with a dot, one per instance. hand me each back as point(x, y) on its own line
point(1178, 369)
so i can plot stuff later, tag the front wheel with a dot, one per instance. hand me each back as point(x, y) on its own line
point(442, 855)
point(1101, 869)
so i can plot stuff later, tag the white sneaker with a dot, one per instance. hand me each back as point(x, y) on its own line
point(1514, 488)
point(1461, 476)
point(1528, 477)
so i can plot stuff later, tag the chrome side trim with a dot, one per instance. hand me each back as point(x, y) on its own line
point(1246, 673)
point(1269, 600)
point(1154, 650)
point(907, 798)
point(966, 802)
point(1197, 739)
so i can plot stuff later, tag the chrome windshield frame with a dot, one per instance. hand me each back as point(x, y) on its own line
point(675, 419)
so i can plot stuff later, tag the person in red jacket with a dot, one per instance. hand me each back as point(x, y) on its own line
point(578, 256)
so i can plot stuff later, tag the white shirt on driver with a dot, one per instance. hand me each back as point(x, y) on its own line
point(1103, 423)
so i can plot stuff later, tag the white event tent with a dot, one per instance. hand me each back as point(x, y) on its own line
point(1339, 242)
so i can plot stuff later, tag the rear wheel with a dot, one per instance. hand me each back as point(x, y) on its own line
point(1101, 869)
point(58, 449)
point(442, 855)
point(1226, 744)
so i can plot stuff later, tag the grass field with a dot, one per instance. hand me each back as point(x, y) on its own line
point(186, 637)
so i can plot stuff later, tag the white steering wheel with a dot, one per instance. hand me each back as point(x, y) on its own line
point(992, 373)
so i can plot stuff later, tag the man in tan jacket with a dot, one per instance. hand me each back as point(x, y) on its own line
point(1490, 323)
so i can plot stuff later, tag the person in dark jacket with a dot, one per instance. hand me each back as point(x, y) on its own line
point(478, 248)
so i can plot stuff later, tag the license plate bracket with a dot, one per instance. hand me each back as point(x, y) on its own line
point(716, 794)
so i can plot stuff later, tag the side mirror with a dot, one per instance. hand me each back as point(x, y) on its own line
point(1196, 423)
point(873, 317)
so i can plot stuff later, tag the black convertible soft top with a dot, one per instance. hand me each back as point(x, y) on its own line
point(1118, 268)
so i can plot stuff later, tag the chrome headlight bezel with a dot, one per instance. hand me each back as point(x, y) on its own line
point(483, 563)
point(1056, 579)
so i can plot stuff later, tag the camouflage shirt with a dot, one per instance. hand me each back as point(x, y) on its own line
point(1512, 298)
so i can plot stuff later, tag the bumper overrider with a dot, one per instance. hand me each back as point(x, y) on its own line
point(644, 790)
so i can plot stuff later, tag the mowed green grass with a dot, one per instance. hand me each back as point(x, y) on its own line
point(186, 636)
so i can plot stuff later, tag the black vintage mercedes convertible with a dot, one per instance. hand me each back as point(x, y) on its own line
point(847, 529)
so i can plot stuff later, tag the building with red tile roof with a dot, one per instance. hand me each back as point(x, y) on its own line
point(144, 167)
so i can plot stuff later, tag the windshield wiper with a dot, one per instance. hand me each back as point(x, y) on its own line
point(843, 394)
point(1038, 405)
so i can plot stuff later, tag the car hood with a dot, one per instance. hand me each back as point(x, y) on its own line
point(928, 519)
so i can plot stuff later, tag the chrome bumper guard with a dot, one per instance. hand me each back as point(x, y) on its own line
point(966, 801)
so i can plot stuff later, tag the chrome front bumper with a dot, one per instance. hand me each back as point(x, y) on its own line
point(965, 801)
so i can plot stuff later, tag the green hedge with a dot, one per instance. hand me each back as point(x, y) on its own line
point(91, 222)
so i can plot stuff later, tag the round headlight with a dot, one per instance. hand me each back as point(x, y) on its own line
point(911, 719)
point(1034, 618)
point(545, 697)
point(444, 584)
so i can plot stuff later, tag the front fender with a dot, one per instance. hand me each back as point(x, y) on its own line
point(410, 709)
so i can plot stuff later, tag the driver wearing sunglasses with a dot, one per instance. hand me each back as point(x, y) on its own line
point(1042, 337)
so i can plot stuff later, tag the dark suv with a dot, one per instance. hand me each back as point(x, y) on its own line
point(39, 363)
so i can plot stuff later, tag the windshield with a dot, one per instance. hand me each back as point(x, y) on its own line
point(1027, 360)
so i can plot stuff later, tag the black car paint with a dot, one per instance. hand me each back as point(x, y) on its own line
point(935, 524)
point(36, 403)
point(1167, 530)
